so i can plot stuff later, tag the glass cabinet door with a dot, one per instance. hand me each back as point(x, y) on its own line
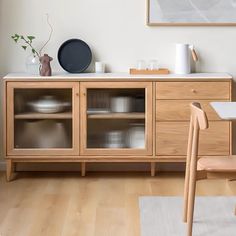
point(43, 118)
point(116, 118)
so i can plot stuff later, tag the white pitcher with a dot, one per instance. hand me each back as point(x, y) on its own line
point(183, 59)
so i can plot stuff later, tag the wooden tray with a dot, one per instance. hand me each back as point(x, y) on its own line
point(161, 71)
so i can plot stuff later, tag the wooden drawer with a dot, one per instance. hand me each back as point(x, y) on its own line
point(174, 110)
point(172, 138)
point(193, 90)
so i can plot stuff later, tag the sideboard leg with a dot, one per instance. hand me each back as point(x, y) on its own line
point(153, 169)
point(83, 169)
point(10, 169)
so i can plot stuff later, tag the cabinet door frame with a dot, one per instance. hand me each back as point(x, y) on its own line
point(49, 152)
point(148, 151)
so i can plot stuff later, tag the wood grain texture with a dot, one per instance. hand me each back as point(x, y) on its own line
point(132, 115)
point(170, 98)
point(103, 204)
point(172, 138)
point(153, 169)
point(4, 118)
point(161, 71)
point(217, 164)
point(9, 169)
point(36, 115)
point(178, 110)
point(11, 150)
point(108, 158)
point(192, 90)
point(83, 169)
point(202, 165)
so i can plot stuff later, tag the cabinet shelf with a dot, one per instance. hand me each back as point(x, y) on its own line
point(132, 115)
point(36, 115)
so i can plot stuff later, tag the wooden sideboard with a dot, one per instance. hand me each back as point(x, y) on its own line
point(91, 130)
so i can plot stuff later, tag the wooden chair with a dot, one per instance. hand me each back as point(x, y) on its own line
point(200, 168)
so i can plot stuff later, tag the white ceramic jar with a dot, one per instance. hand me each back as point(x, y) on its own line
point(136, 136)
point(182, 61)
point(121, 104)
point(115, 139)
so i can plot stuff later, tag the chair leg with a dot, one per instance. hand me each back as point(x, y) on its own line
point(187, 172)
point(186, 191)
point(191, 200)
point(235, 211)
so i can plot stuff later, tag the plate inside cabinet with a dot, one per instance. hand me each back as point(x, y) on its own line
point(74, 56)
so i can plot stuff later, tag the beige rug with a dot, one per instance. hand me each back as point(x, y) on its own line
point(162, 216)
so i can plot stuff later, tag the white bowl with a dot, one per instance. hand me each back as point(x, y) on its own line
point(48, 104)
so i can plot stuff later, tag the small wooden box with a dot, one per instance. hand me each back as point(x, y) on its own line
point(161, 71)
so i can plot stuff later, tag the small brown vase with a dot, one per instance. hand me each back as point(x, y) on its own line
point(45, 68)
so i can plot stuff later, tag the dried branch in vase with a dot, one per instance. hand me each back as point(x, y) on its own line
point(27, 43)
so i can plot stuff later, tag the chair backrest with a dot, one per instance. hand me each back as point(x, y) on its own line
point(199, 115)
point(198, 121)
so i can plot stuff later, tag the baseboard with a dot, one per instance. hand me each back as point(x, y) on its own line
point(99, 167)
point(2, 166)
point(94, 167)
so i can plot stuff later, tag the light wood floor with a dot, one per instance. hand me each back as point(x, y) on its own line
point(103, 204)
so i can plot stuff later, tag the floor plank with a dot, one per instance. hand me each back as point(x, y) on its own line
point(101, 204)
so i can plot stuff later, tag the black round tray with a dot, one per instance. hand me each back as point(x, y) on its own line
point(74, 56)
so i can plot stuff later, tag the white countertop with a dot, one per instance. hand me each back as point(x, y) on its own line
point(120, 76)
point(225, 110)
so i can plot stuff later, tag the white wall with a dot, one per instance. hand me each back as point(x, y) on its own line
point(115, 30)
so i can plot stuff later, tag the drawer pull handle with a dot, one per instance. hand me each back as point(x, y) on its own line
point(194, 91)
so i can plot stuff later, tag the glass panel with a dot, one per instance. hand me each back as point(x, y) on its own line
point(116, 118)
point(48, 101)
point(43, 134)
point(42, 118)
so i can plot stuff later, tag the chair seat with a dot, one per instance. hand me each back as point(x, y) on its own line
point(217, 164)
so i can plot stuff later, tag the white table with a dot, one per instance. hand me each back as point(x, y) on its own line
point(225, 110)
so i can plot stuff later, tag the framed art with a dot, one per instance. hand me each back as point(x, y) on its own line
point(191, 12)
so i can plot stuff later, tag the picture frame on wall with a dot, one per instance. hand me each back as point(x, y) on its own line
point(191, 12)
